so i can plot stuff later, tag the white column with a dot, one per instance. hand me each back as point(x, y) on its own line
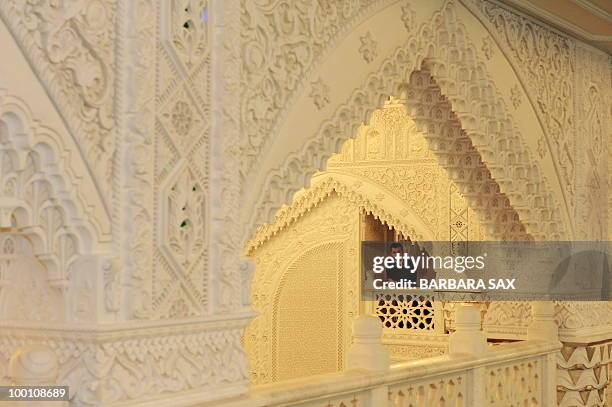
point(367, 351)
point(468, 336)
point(543, 325)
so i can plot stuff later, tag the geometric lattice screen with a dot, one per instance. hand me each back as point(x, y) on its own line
point(405, 311)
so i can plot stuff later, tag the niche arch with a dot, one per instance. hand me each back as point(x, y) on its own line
point(317, 219)
point(279, 251)
point(442, 47)
point(45, 206)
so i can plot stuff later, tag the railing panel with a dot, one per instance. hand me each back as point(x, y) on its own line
point(359, 399)
point(515, 374)
point(435, 392)
point(514, 384)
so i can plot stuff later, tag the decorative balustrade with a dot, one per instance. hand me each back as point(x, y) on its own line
point(502, 376)
point(520, 373)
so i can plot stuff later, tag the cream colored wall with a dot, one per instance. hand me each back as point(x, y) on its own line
point(110, 210)
point(119, 114)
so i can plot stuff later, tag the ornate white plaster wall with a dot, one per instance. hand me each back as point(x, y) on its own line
point(116, 115)
point(106, 122)
point(50, 204)
point(513, 74)
point(463, 73)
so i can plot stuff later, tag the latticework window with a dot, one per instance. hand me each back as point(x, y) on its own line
point(405, 311)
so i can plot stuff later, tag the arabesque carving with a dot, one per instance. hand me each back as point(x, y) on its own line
point(391, 152)
point(137, 126)
point(50, 232)
point(142, 364)
point(180, 286)
point(545, 62)
point(445, 391)
point(70, 46)
point(592, 93)
point(170, 105)
point(281, 41)
point(390, 145)
point(514, 384)
point(189, 30)
point(25, 291)
point(312, 197)
point(482, 114)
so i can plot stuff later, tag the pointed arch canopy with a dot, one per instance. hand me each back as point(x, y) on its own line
point(477, 90)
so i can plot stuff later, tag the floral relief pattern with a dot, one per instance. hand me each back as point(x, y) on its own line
point(189, 30)
point(449, 390)
point(407, 168)
point(138, 149)
point(185, 233)
point(516, 96)
point(361, 103)
point(487, 47)
point(544, 61)
point(181, 118)
point(368, 48)
point(592, 94)
point(45, 227)
point(281, 40)
point(408, 17)
point(70, 46)
point(319, 93)
point(191, 128)
point(142, 364)
point(180, 272)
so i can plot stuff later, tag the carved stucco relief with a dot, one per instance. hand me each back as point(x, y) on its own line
point(232, 271)
point(504, 381)
point(164, 111)
point(281, 42)
point(168, 117)
point(136, 105)
point(567, 82)
point(180, 286)
point(451, 390)
point(57, 244)
point(391, 152)
point(454, 64)
point(139, 365)
point(388, 161)
point(545, 61)
point(70, 46)
point(582, 378)
point(25, 291)
point(595, 133)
